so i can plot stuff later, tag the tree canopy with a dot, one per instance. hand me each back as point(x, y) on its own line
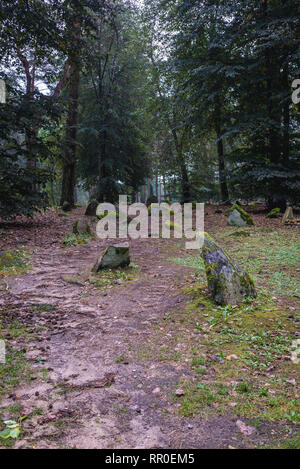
point(105, 94)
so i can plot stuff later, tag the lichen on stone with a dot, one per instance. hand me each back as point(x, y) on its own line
point(228, 283)
point(274, 213)
point(245, 216)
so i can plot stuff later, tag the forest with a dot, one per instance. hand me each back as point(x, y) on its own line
point(152, 345)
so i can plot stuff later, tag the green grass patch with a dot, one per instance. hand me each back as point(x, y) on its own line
point(110, 277)
point(14, 371)
point(259, 336)
point(190, 261)
point(76, 239)
point(270, 257)
point(14, 262)
point(42, 308)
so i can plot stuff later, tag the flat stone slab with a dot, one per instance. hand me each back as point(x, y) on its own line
point(113, 257)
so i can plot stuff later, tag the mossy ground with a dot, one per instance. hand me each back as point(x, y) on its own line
point(77, 239)
point(259, 382)
point(15, 370)
point(110, 277)
point(15, 262)
point(231, 363)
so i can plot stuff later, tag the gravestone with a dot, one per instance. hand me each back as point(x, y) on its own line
point(228, 283)
point(91, 209)
point(288, 215)
point(66, 206)
point(81, 227)
point(113, 257)
point(235, 219)
point(238, 217)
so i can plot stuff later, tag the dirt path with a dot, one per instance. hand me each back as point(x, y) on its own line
point(99, 390)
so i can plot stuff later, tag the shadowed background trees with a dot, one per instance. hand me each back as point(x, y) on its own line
point(102, 95)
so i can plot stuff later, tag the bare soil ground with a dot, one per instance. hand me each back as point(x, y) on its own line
point(96, 364)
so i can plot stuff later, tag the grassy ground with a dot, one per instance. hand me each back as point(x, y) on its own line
point(249, 346)
point(239, 358)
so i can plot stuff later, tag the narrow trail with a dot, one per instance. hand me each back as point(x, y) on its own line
point(99, 391)
point(83, 337)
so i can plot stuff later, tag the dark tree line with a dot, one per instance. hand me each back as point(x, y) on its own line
point(103, 94)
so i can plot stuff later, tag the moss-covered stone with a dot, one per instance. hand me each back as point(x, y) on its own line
point(91, 209)
point(236, 220)
point(228, 283)
point(274, 213)
point(108, 214)
point(240, 233)
point(112, 215)
point(81, 227)
point(67, 207)
point(113, 257)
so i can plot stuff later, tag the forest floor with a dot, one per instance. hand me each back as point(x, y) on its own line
point(142, 358)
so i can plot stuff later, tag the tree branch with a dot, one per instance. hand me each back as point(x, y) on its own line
point(62, 81)
point(27, 70)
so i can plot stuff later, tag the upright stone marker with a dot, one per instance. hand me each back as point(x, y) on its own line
point(113, 257)
point(81, 227)
point(228, 283)
point(92, 208)
point(238, 217)
point(288, 215)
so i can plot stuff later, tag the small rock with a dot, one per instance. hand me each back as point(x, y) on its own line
point(190, 427)
point(291, 381)
point(179, 392)
point(246, 430)
point(67, 207)
point(156, 391)
point(232, 357)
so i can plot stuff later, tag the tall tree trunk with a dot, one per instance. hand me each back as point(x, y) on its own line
point(69, 167)
point(286, 118)
point(68, 181)
point(221, 160)
point(276, 142)
point(101, 168)
point(185, 185)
